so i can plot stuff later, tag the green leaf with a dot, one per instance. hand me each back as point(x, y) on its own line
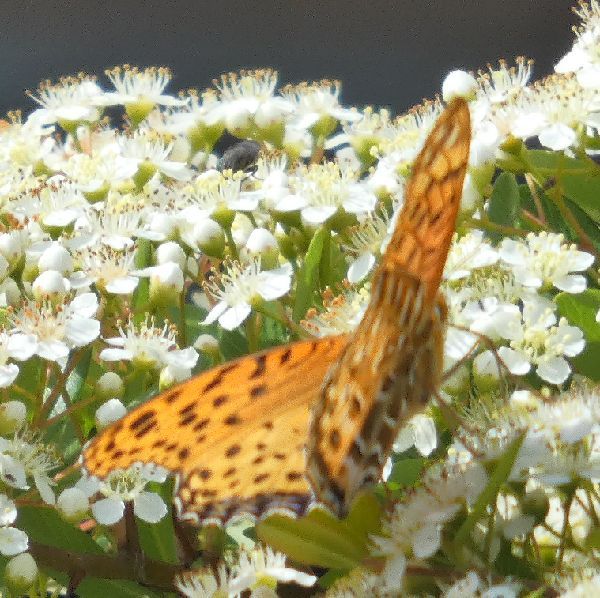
point(580, 310)
point(233, 343)
point(406, 472)
point(579, 179)
point(141, 296)
point(316, 539)
point(94, 587)
point(504, 202)
point(488, 496)
point(506, 563)
point(76, 381)
point(365, 515)
point(158, 539)
point(45, 526)
point(308, 276)
point(587, 224)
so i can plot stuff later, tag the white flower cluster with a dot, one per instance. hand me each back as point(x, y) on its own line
point(107, 231)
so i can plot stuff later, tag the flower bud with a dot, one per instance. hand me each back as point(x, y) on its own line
point(209, 238)
point(262, 243)
point(537, 504)
point(73, 504)
point(209, 345)
point(485, 371)
point(56, 257)
point(170, 252)
point(172, 375)
point(12, 417)
point(458, 382)
point(50, 285)
point(110, 412)
point(459, 84)
point(10, 247)
point(110, 384)
point(20, 573)
point(11, 291)
point(166, 284)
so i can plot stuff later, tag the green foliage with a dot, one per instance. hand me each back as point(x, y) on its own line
point(321, 539)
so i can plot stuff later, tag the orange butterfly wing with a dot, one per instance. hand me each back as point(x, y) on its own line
point(233, 435)
point(393, 361)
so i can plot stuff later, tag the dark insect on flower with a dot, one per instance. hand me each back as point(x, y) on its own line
point(241, 156)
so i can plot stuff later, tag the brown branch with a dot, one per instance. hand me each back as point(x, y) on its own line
point(155, 574)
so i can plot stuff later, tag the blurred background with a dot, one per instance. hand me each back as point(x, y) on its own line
point(386, 52)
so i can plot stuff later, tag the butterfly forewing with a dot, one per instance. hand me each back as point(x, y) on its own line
point(393, 362)
point(234, 435)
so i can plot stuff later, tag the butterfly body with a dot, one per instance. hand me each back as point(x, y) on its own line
point(314, 420)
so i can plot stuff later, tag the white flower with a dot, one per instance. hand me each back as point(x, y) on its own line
point(71, 99)
point(143, 147)
point(27, 456)
point(205, 584)
point(472, 587)
point(263, 566)
point(537, 339)
point(56, 257)
point(320, 190)
point(502, 83)
point(61, 327)
point(148, 346)
point(544, 260)
point(420, 432)
point(111, 270)
point(317, 104)
point(114, 226)
point(247, 99)
point(583, 58)
point(17, 346)
point(415, 526)
point(554, 110)
point(341, 314)
point(12, 417)
point(140, 86)
point(120, 486)
point(366, 244)
point(583, 587)
point(240, 287)
point(210, 194)
point(54, 206)
point(12, 540)
point(467, 253)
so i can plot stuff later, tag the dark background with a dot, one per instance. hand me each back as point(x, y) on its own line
point(390, 53)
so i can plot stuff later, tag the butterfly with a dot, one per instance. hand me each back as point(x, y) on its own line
point(315, 420)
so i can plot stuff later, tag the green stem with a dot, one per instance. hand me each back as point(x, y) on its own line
point(488, 225)
point(181, 324)
point(279, 316)
point(252, 332)
point(232, 246)
point(58, 389)
point(564, 532)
